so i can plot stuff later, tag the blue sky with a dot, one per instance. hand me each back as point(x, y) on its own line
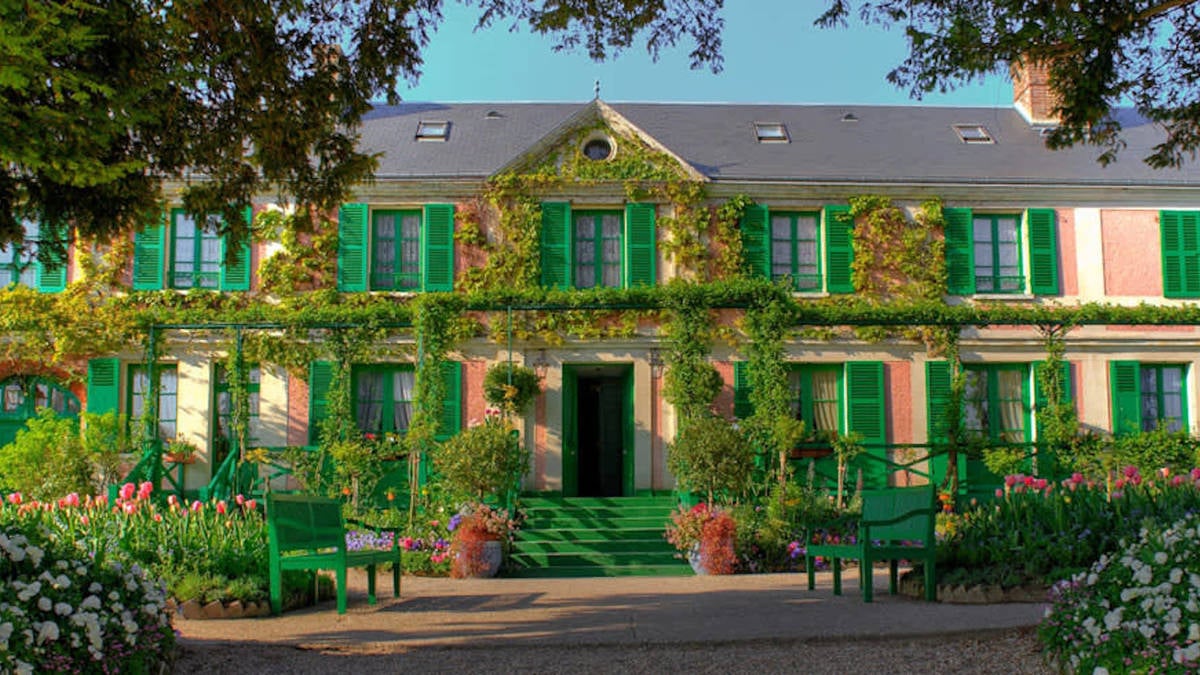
point(773, 54)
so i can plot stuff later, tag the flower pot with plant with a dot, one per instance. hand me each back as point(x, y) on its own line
point(180, 451)
point(510, 387)
point(706, 536)
point(480, 534)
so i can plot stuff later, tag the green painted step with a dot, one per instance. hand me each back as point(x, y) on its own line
point(595, 536)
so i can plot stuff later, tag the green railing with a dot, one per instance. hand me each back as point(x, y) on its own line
point(150, 468)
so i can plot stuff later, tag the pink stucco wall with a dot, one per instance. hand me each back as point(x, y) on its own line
point(297, 411)
point(1132, 254)
point(897, 380)
point(1068, 269)
point(724, 403)
point(473, 405)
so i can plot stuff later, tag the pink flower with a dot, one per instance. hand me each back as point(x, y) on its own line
point(1029, 481)
point(1120, 483)
point(251, 504)
point(72, 499)
point(84, 519)
point(1196, 473)
point(240, 500)
point(196, 505)
point(1177, 481)
point(1165, 472)
point(407, 543)
point(127, 491)
point(1076, 477)
point(221, 507)
point(145, 489)
point(129, 507)
point(999, 492)
point(158, 517)
point(1040, 484)
point(172, 501)
point(1131, 471)
point(15, 499)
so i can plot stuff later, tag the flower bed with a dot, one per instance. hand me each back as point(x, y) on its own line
point(1137, 610)
point(64, 611)
point(1038, 533)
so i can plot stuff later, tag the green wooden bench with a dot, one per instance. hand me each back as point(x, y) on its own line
point(308, 533)
point(896, 524)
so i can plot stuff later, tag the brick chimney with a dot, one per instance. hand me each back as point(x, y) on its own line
point(1032, 96)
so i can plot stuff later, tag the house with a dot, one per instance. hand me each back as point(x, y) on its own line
point(626, 196)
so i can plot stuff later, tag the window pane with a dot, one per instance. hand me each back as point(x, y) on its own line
point(825, 401)
point(794, 387)
point(13, 397)
point(383, 252)
point(370, 402)
point(611, 231)
point(402, 394)
point(983, 231)
point(1011, 405)
point(975, 401)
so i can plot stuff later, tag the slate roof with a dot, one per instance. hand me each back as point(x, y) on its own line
point(887, 144)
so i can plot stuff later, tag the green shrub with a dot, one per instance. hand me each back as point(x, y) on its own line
point(710, 457)
point(510, 387)
point(482, 461)
point(1151, 450)
point(47, 459)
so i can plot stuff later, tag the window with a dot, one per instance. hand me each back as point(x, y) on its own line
point(428, 130)
point(597, 249)
point(396, 249)
point(168, 395)
point(996, 402)
point(817, 400)
point(973, 133)
point(383, 398)
point(192, 252)
point(814, 250)
point(22, 397)
point(770, 132)
point(1001, 253)
point(998, 254)
point(796, 249)
point(19, 264)
point(598, 149)
point(1180, 232)
point(1148, 396)
point(196, 251)
point(223, 435)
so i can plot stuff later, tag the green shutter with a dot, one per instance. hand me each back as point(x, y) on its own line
point(742, 408)
point(1125, 382)
point(1043, 252)
point(640, 238)
point(148, 258)
point(1180, 232)
point(756, 240)
point(960, 252)
point(866, 414)
point(556, 244)
point(937, 398)
point(352, 248)
point(103, 386)
point(235, 276)
point(437, 248)
point(320, 377)
point(839, 249)
point(451, 419)
point(52, 276)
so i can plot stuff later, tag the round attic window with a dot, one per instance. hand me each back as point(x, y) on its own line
point(598, 149)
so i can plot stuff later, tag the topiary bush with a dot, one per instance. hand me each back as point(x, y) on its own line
point(710, 457)
point(510, 387)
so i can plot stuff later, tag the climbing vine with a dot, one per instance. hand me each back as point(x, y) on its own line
point(692, 383)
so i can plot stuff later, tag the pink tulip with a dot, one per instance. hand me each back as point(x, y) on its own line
point(251, 504)
point(73, 499)
point(240, 500)
point(196, 506)
point(129, 507)
point(221, 508)
point(1165, 472)
point(1196, 474)
point(1177, 481)
point(145, 489)
point(999, 493)
point(127, 491)
point(172, 501)
point(15, 499)
point(1076, 477)
point(1131, 471)
point(1010, 480)
point(1040, 484)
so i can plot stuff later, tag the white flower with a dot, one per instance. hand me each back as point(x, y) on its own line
point(1100, 670)
point(1171, 628)
point(1160, 558)
point(90, 602)
point(24, 668)
point(6, 630)
point(1176, 575)
point(45, 604)
point(35, 555)
point(1143, 574)
point(63, 608)
point(48, 632)
point(63, 581)
point(1113, 619)
point(1194, 633)
point(29, 591)
point(1189, 654)
point(95, 587)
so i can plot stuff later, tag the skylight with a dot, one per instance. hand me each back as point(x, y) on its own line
point(973, 133)
point(771, 132)
point(428, 130)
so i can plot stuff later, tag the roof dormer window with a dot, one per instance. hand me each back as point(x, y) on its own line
point(432, 130)
point(771, 132)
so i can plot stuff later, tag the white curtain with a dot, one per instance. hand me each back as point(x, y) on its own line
point(1012, 407)
point(402, 388)
point(825, 401)
point(369, 397)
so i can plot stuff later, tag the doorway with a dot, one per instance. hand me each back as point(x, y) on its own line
point(598, 431)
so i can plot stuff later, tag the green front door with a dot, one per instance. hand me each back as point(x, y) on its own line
point(598, 431)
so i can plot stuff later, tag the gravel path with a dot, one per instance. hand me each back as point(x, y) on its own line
point(1009, 651)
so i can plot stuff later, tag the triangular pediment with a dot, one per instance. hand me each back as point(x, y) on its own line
point(632, 153)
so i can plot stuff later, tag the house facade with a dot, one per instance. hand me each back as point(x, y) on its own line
point(573, 199)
